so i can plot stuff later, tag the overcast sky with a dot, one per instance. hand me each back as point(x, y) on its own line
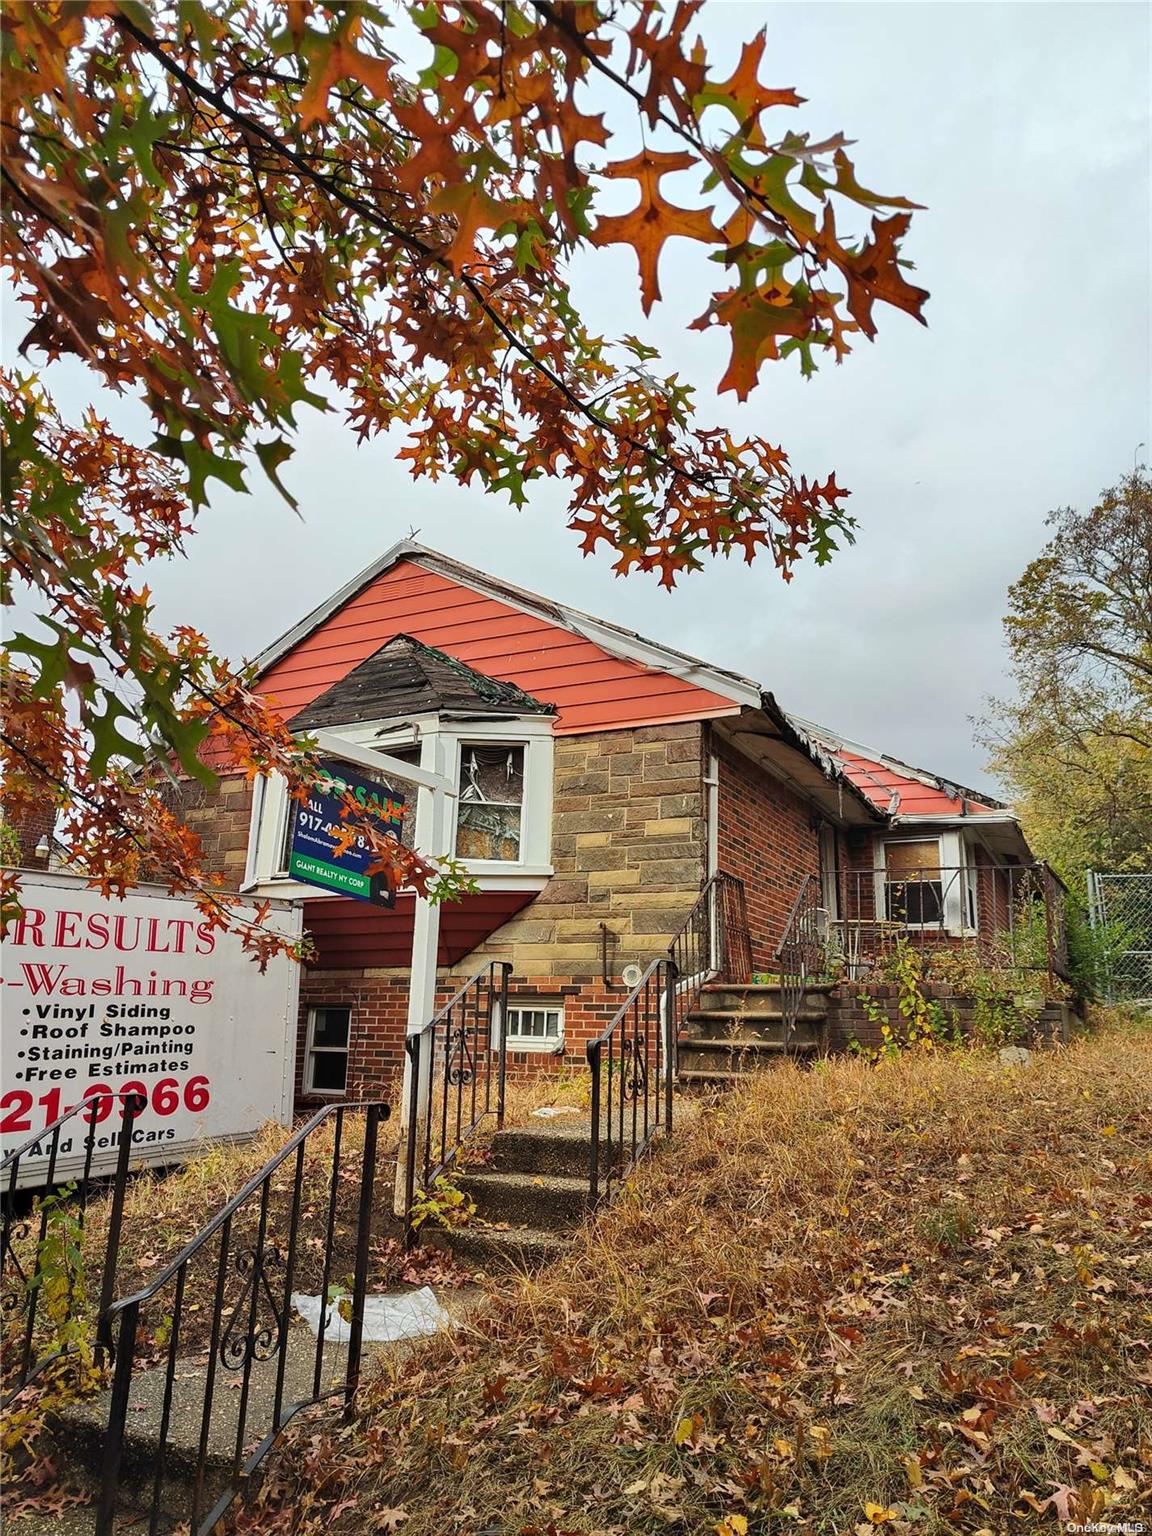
point(1026, 129)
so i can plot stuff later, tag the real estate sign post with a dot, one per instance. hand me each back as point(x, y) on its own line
point(432, 830)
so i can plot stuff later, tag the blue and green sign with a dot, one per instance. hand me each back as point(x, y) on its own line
point(320, 826)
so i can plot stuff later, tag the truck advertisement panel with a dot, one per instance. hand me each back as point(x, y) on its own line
point(100, 998)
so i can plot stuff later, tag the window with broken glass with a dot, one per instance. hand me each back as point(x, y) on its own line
point(491, 803)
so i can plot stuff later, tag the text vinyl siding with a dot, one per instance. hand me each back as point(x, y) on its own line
point(591, 689)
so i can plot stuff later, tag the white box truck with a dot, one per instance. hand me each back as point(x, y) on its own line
point(101, 997)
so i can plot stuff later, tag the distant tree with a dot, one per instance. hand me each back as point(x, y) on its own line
point(1076, 742)
point(238, 210)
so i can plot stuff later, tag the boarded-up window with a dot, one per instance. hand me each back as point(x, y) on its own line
point(491, 802)
point(914, 886)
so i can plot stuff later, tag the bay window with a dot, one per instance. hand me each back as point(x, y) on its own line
point(488, 821)
point(499, 824)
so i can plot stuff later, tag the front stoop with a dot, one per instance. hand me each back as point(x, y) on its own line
point(530, 1196)
point(735, 1029)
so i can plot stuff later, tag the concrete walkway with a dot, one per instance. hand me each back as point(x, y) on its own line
point(79, 1439)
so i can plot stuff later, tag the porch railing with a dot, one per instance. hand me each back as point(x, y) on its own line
point(715, 942)
point(802, 954)
point(459, 1064)
point(230, 1291)
point(845, 921)
point(633, 1066)
point(38, 1332)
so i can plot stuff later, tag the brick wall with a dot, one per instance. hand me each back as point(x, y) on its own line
point(30, 828)
point(849, 1019)
point(379, 1004)
point(767, 838)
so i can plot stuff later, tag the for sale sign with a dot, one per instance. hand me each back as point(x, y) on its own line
point(104, 998)
point(318, 855)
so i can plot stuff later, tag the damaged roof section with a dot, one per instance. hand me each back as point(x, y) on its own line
point(772, 739)
point(895, 787)
point(407, 678)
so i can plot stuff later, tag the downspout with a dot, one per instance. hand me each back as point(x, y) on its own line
point(712, 811)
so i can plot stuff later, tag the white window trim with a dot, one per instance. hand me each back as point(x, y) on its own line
point(542, 1045)
point(310, 1050)
point(953, 858)
point(536, 806)
point(440, 742)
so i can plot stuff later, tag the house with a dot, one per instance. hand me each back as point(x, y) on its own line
point(604, 782)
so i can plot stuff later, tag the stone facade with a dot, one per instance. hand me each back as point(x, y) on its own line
point(628, 848)
point(629, 852)
point(221, 819)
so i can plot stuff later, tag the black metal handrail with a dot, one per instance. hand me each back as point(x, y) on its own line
point(29, 1354)
point(457, 1077)
point(802, 953)
point(846, 920)
point(633, 1064)
point(246, 1331)
point(714, 941)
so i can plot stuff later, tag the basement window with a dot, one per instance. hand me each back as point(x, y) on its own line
point(326, 1055)
point(535, 1027)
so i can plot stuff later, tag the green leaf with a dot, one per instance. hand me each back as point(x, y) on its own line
point(271, 456)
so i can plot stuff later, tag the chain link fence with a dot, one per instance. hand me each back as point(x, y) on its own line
point(1120, 907)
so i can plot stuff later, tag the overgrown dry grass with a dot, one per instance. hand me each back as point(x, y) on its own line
point(166, 1208)
point(915, 1298)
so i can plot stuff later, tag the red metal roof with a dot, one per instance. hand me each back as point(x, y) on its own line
point(919, 795)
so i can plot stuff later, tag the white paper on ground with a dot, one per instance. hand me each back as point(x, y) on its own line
point(549, 1110)
point(387, 1319)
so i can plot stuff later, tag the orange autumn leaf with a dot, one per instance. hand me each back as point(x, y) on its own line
point(654, 219)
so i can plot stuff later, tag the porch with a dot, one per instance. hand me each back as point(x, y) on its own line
point(847, 921)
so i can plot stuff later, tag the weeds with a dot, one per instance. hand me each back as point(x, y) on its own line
point(444, 1205)
point(839, 1302)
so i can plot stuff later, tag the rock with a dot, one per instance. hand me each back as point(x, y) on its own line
point(1015, 1056)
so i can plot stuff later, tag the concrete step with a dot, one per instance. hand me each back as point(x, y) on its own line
point(739, 1056)
point(548, 1147)
point(726, 1072)
point(496, 1249)
point(714, 1023)
point(691, 1081)
point(547, 1201)
point(725, 1056)
point(743, 997)
point(80, 1427)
